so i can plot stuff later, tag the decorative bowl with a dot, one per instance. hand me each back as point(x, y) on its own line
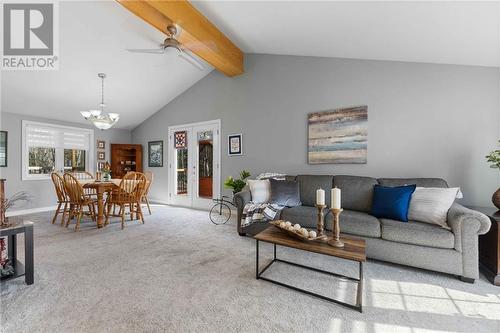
point(295, 234)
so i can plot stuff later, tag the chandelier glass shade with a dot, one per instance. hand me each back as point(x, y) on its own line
point(100, 119)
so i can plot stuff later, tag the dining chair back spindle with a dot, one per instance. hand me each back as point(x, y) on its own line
point(85, 175)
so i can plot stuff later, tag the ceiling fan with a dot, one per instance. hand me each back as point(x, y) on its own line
point(172, 44)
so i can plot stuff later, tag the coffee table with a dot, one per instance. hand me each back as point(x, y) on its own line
point(353, 250)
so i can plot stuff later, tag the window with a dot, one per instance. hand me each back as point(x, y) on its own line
point(48, 148)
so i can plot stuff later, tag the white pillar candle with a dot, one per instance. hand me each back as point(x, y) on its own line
point(335, 198)
point(320, 197)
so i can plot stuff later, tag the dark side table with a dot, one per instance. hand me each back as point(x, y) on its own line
point(15, 227)
point(489, 246)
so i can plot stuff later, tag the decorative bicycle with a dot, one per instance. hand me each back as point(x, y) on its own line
point(220, 213)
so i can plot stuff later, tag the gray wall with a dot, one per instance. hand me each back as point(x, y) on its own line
point(41, 190)
point(424, 120)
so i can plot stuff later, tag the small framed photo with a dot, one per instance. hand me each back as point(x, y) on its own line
point(101, 155)
point(235, 144)
point(3, 148)
point(155, 153)
point(101, 144)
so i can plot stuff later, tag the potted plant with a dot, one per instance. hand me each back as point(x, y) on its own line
point(237, 184)
point(494, 159)
point(106, 172)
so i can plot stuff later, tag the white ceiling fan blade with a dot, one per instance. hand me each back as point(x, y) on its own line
point(152, 51)
point(191, 59)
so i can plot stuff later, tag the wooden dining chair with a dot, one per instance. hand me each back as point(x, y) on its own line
point(149, 181)
point(78, 200)
point(85, 175)
point(128, 194)
point(62, 197)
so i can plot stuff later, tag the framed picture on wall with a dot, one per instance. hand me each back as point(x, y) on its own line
point(155, 153)
point(101, 155)
point(101, 144)
point(235, 144)
point(100, 165)
point(3, 148)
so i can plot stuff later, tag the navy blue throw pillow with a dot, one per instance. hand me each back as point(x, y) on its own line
point(392, 202)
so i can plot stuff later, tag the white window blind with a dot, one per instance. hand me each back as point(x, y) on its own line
point(51, 137)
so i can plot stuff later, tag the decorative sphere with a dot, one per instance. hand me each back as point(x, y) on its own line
point(304, 232)
point(312, 234)
point(282, 224)
point(297, 226)
point(288, 223)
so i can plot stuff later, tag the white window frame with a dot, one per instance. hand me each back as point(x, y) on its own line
point(89, 159)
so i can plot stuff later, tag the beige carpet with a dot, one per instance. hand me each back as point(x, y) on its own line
point(181, 273)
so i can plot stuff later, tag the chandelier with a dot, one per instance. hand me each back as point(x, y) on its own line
point(100, 119)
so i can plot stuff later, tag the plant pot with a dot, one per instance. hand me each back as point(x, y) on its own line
point(496, 198)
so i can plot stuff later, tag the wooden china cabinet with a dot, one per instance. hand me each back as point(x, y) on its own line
point(125, 158)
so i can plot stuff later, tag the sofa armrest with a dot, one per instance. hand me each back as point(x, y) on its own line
point(460, 217)
point(240, 199)
point(467, 224)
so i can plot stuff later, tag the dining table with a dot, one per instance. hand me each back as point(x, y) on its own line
point(100, 187)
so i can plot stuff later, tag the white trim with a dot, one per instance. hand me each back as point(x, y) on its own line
point(90, 160)
point(30, 211)
point(200, 123)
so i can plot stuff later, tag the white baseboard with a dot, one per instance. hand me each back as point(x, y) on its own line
point(30, 211)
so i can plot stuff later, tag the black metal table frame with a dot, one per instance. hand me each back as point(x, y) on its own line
point(28, 268)
point(359, 296)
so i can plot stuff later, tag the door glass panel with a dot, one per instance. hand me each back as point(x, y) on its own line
point(205, 164)
point(181, 169)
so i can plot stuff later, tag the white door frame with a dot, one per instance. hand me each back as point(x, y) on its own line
point(217, 162)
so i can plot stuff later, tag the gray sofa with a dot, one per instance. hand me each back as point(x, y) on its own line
point(414, 243)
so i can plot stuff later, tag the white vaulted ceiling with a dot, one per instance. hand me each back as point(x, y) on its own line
point(446, 32)
point(94, 37)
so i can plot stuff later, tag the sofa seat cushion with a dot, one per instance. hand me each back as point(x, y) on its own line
point(417, 233)
point(358, 223)
point(306, 216)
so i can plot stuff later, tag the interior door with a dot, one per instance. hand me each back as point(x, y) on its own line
point(194, 164)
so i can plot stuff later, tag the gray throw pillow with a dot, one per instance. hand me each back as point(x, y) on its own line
point(285, 193)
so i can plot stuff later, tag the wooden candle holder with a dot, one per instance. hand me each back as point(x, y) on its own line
point(335, 241)
point(320, 225)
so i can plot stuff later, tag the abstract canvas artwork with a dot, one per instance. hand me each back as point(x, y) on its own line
point(338, 136)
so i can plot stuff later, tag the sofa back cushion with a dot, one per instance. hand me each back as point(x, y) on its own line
point(420, 182)
point(357, 192)
point(310, 183)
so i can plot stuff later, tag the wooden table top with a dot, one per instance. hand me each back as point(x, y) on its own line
point(354, 248)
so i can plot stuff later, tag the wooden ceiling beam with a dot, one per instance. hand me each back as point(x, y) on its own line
point(197, 33)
